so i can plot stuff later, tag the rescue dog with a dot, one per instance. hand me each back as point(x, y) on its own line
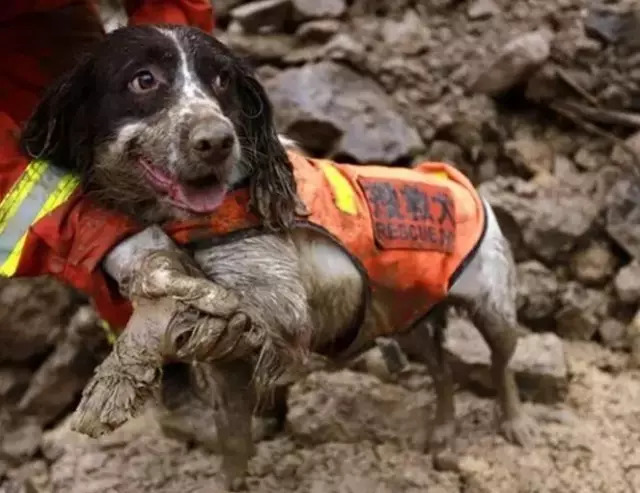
point(164, 123)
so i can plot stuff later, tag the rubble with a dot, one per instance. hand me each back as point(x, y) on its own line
point(482, 9)
point(347, 407)
point(318, 9)
point(581, 311)
point(595, 264)
point(538, 289)
point(519, 58)
point(318, 31)
point(613, 334)
point(549, 220)
point(627, 283)
point(262, 15)
point(623, 215)
point(530, 155)
point(539, 362)
point(475, 83)
point(329, 107)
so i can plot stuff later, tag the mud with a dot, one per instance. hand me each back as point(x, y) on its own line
point(350, 432)
point(536, 101)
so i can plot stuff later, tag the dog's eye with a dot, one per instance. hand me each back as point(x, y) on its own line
point(221, 81)
point(144, 81)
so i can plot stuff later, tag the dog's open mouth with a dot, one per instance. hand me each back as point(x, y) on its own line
point(200, 196)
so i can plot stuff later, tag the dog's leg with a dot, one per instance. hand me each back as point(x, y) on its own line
point(235, 403)
point(488, 288)
point(188, 415)
point(424, 344)
point(499, 331)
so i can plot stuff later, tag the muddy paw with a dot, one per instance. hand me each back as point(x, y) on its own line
point(521, 430)
point(108, 403)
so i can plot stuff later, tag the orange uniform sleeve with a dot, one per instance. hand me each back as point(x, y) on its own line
point(198, 13)
point(70, 242)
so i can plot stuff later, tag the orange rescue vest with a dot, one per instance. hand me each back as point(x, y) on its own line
point(411, 231)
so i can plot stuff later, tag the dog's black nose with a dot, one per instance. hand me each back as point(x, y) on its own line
point(212, 141)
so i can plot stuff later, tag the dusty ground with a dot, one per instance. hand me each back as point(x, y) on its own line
point(351, 433)
point(391, 81)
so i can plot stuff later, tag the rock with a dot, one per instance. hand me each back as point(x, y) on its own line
point(595, 264)
point(408, 35)
point(318, 9)
point(615, 27)
point(621, 156)
point(559, 219)
point(622, 211)
point(539, 362)
point(31, 477)
point(22, 441)
point(587, 160)
point(530, 155)
point(33, 314)
point(262, 47)
point(345, 48)
point(57, 440)
point(13, 382)
point(61, 377)
point(613, 334)
point(448, 152)
point(518, 59)
point(549, 220)
point(350, 407)
point(263, 15)
point(317, 31)
point(537, 291)
point(223, 7)
point(627, 283)
point(326, 106)
point(482, 9)
point(581, 312)
point(566, 171)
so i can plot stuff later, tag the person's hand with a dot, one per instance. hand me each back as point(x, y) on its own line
point(148, 265)
point(172, 273)
point(197, 336)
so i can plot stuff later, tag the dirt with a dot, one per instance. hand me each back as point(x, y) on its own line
point(351, 432)
point(520, 95)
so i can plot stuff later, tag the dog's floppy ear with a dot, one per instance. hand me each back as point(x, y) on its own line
point(273, 188)
point(58, 129)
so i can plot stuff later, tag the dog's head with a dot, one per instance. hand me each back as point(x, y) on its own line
point(160, 122)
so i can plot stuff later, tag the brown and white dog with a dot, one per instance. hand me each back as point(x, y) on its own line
point(162, 122)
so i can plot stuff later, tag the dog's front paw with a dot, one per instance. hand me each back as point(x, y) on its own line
point(111, 401)
point(521, 430)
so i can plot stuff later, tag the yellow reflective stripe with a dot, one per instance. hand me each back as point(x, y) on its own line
point(109, 332)
point(40, 190)
point(11, 202)
point(439, 175)
point(343, 193)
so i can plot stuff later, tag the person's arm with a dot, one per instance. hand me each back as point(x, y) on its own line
point(198, 13)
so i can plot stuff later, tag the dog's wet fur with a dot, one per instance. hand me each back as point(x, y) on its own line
point(160, 122)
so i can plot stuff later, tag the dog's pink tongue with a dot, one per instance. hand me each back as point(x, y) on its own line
point(200, 199)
